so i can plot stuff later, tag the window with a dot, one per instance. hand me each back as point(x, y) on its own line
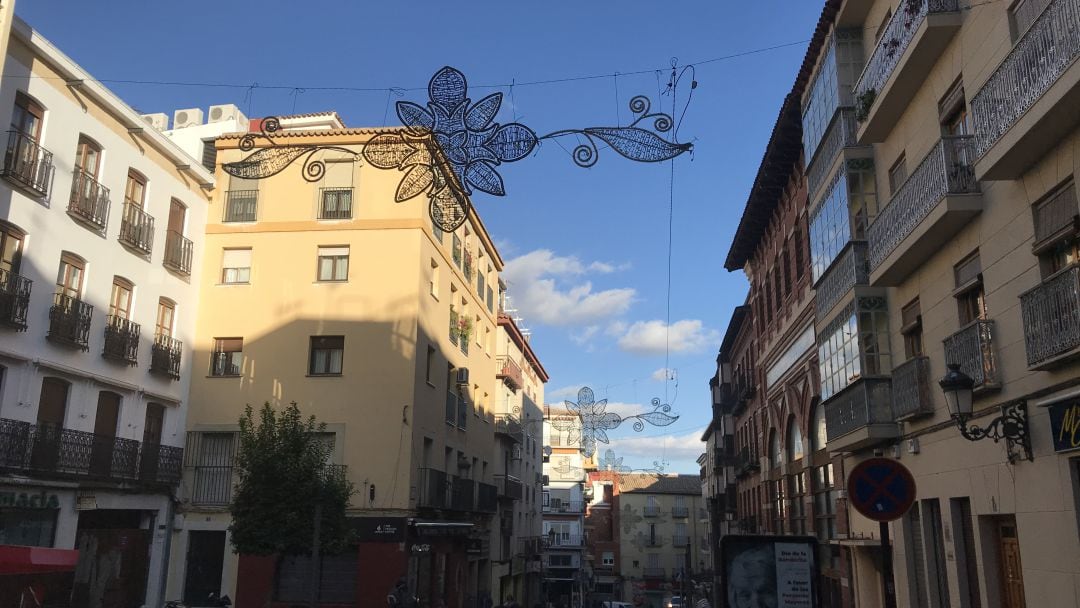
point(819, 435)
point(775, 456)
point(897, 174)
point(29, 527)
point(27, 117)
point(335, 203)
point(607, 558)
point(821, 102)
point(794, 440)
point(854, 344)
point(227, 357)
point(120, 301)
point(135, 190)
point(825, 495)
point(11, 240)
point(786, 262)
point(166, 312)
point(236, 266)
point(88, 157)
point(455, 250)
point(970, 301)
point(776, 291)
point(796, 506)
point(69, 278)
point(241, 200)
point(434, 279)
point(326, 355)
point(911, 329)
point(209, 154)
point(214, 456)
point(333, 263)
point(429, 367)
point(953, 113)
point(797, 244)
point(1057, 239)
point(830, 227)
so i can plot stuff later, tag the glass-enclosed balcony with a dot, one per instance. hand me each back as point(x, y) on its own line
point(906, 51)
point(849, 269)
point(860, 416)
point(1030, 101)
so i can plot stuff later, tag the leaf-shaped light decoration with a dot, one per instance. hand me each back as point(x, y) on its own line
point(266, 162)
point(416, 118)
point(512, 142)
point(417, 180)
point(483, 112)
point(387, 150)
point(447, 87)
point(481, 176)
point(595, 421)
point(638, 144)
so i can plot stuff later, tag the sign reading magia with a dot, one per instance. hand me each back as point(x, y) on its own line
point(1065, 425)
point(29, 500)
point(769, 571)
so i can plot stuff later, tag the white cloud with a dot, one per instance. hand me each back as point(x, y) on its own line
point(651, 337)
point(616, 328)
point(664, 373)
point(566, 392)
point(679, 450)
point(539, 293)
point(586, 334)
point(625, 409)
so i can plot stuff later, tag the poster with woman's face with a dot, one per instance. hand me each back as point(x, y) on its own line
point(769, 571)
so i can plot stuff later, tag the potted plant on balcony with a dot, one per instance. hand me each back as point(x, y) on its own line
point(863, 102)
point(468, 267)
point(464, 327)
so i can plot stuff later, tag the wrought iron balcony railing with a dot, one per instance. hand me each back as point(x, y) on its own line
point(487, 497)
point(724, 453)
point(848, 270)
point(510, 487)
point(911, 389)
point(165, 356)
point(89, 200)
point(530, 546)
point(462, 493)
point(747, 464)
point(680, 511)
point(973, 348)
point(894, 40)
point(1037, 60)
point(563, 540)
point(842, 133)
point(650, 511)
point(178, 252)
point(137, 228)
point(49, 451)
point(1051, 313)
point(14, 299)
point(556, 505)
point(946, 170)
point(241, 205)
point(509, 372)
point(509, 425)
point(654, 572)
point(28, 164)
point(69, 321)
point(121, 339)
point(859, 405)
point(434, 489)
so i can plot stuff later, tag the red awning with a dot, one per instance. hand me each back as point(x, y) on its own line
point(32, 560)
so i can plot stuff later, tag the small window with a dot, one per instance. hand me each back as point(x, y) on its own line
point(70, 276)
point(236, 266)
point(970, 299)
point(429, 368)
point(898, 174)
point(911, 318)
point(335, 203)
point(166, 313)
point(797, 244)
point(135, 190)
point(333, 263)
point(608, 558)
point(326, 355)
point(120, 301)
point(785, 260)
point(434, 282)
point(209, 155)
point(227, 357)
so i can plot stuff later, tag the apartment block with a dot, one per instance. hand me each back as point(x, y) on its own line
point(101, 222)
point(563, 507)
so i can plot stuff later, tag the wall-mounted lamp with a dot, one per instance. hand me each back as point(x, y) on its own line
point(1011, 425)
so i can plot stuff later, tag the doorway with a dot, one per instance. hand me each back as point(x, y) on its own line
point(52, 407)
point(1012, 573)
point(152, 425)
point(108, 414)
point(205, 558)
point(114, 559)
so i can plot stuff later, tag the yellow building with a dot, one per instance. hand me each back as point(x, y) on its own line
point(330, 294)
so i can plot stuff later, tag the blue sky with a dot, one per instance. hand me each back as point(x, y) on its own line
point(587, 248)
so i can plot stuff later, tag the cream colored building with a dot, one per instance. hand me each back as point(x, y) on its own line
point(331, 295)
point(965, 115)
point(563, 506)
point(661, 535)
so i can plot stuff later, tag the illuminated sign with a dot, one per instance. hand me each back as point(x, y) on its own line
point(1065, 425)
point(24, 500)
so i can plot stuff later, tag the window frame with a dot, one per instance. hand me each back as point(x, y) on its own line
point(29, 108)
point(225, 268)
point(82, 148)
point(71, 262)
point(328, 345)
point(235, 359)
point(120, 287)
point(335, 261)
point(134, 178)
point(165, 304)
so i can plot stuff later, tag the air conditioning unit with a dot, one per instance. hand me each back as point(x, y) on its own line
point(187, 118)
point(159, 121)
point(226, 113)
point(462, 378)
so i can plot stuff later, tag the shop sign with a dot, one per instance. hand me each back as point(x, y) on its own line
point(29, 500)
point(421, 548)
point(1065, 425)
point(380, 529)
point(85, 502)
point(474, 546)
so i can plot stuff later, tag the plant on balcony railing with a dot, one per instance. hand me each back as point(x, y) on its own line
point(1036, 62)
point(137, 228)
point(1051, 314)
point(121, 339)
point(464, 330)
point(14, 299)
point(453, 326)
point(946, 170)
point(178, 252)
point(89, 200)
point(973, 348)
point(27, 163)
point(165, 356)
point(69, 321)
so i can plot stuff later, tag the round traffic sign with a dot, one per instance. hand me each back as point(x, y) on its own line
point(881, 489)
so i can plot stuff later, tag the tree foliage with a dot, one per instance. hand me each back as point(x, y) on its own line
point(283, 476)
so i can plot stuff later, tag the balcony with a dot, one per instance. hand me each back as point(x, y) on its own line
point(1029, 103)
point(973, 348)
point(510, 487)
point(654, 572)
point(509, 372)
point(1051, 313)
point(137, 229)
point(434, 489)
point(27, 164)
point(165, 356)
point(651, 511)
point(911, 389)
point(557, 505)
point(746, 464)
point(178, 252)
point(680, 511)
point(487, 497)
point(933, 204)
point(849, 269)
point(69, 321)
point(89, 202)
point(48, 451)
point(121, 340)
point(907, 49)
point(679, 540)
point(840, 137)
point(509, 426)
point(453, 329)
point(860, 416)
point(530, 546)
point(241, 205)
point(563, 540)
point(14, 299)
point(462, 493)
point(724, 453)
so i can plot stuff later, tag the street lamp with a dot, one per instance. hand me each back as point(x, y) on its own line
point(1011, 425)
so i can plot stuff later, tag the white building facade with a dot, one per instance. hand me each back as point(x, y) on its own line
point(563, 507)
point(100, 223)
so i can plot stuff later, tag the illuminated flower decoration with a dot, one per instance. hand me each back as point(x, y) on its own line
point(612, 463)
point(593, 421)
point(629, 518)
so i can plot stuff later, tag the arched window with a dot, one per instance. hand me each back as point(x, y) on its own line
point(775, 457)
point(818, 434)
point(794, 440)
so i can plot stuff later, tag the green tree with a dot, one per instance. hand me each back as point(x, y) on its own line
point(284, 484)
